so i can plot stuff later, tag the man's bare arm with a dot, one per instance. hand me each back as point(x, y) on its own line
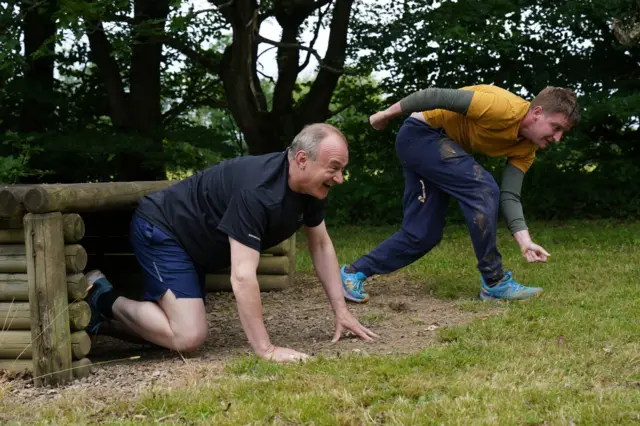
point(244, 263)
point(244, 282)
point(326, 265)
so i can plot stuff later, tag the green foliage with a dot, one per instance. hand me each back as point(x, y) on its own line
point(372, 191)
point(592, 173)
point(394, 49)
point(16, 151)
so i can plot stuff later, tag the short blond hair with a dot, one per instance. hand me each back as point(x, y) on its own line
point(310, 137)
point(555, 100)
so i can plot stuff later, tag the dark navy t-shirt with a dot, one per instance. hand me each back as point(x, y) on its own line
point(246, 198)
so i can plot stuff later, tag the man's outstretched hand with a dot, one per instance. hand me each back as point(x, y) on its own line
point(279, 354)
point(345, 321)
point(530, 250)
point(534, 253)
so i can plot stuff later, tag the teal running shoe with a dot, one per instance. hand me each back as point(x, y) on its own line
point(508, 289)
point(353, 286)
point(98, 284)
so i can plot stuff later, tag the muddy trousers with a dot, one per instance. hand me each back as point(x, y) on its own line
point(435, 168)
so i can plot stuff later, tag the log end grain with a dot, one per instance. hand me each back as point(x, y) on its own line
point(37, 200)
point(9, 203)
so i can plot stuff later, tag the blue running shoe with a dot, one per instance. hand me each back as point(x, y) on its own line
point(508, 289)
point(353, 286)
point(98, 284)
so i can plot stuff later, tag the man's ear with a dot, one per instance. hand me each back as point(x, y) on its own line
point(302, 159)
point(538, 111)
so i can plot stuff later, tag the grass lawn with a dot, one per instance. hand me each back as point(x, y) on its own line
point(569, 357)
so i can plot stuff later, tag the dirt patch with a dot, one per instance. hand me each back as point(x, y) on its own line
point(402, 312)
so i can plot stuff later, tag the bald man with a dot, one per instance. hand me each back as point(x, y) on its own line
point(226, 216)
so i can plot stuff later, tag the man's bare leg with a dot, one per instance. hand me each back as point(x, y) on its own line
point(178, 324)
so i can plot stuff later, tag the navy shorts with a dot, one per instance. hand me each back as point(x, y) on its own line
point(165, 265)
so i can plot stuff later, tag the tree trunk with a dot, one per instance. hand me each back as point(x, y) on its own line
point(315, 106)
point(39, 33)
point(139, 112)
point(145, 92)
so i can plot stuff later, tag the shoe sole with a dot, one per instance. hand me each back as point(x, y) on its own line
point(488, 297)
point(353, 299)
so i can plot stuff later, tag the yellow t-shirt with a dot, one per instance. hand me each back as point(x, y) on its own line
point(490, 126)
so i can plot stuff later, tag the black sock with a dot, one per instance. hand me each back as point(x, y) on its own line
point(105, 303)
point(350, 269)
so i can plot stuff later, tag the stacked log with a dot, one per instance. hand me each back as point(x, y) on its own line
point(42, 289)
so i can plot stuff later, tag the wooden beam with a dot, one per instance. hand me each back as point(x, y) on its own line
point(83, 197)
point(291, 255)
point(11, 200)
point(15, 343)
point(48, 301)
point(80, 344)
point(127, 263)
point(79, 315)
point(72, 228)
point(17, 315)
point(11, 236)
point(281, 249)
point(13, 259)
point(80, 368)
point(220, 282)
point(15, 287)
point(14, 222)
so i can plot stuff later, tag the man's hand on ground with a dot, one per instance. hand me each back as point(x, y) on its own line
point(345, 321)
point(276, 353)
point(534, 253)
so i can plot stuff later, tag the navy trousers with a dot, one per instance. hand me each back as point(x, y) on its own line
point(435, 167)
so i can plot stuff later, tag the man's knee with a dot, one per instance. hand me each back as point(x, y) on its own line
point(190, 339)
point(187, 319)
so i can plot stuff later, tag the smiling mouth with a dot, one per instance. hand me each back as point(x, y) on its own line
point(327, 185)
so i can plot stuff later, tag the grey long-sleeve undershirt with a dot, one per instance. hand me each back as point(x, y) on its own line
point(510, 203)
point(458, 101)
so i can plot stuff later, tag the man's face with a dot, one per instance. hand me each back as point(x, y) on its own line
point(547, 129)
point(320, 175)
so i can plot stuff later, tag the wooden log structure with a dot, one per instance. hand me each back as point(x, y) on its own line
point(15, 287)
point(80, 368)
point(86, 197)
point(46, 261)
point(48, 235)
point(13, 258)
point(11, 200)
point(72, 229)
point(17, 343)
point(17, 315)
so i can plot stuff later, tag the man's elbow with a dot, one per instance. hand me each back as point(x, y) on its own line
point(243, 277)
point(320, 245)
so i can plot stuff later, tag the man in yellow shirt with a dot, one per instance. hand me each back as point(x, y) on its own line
point(435, 145)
